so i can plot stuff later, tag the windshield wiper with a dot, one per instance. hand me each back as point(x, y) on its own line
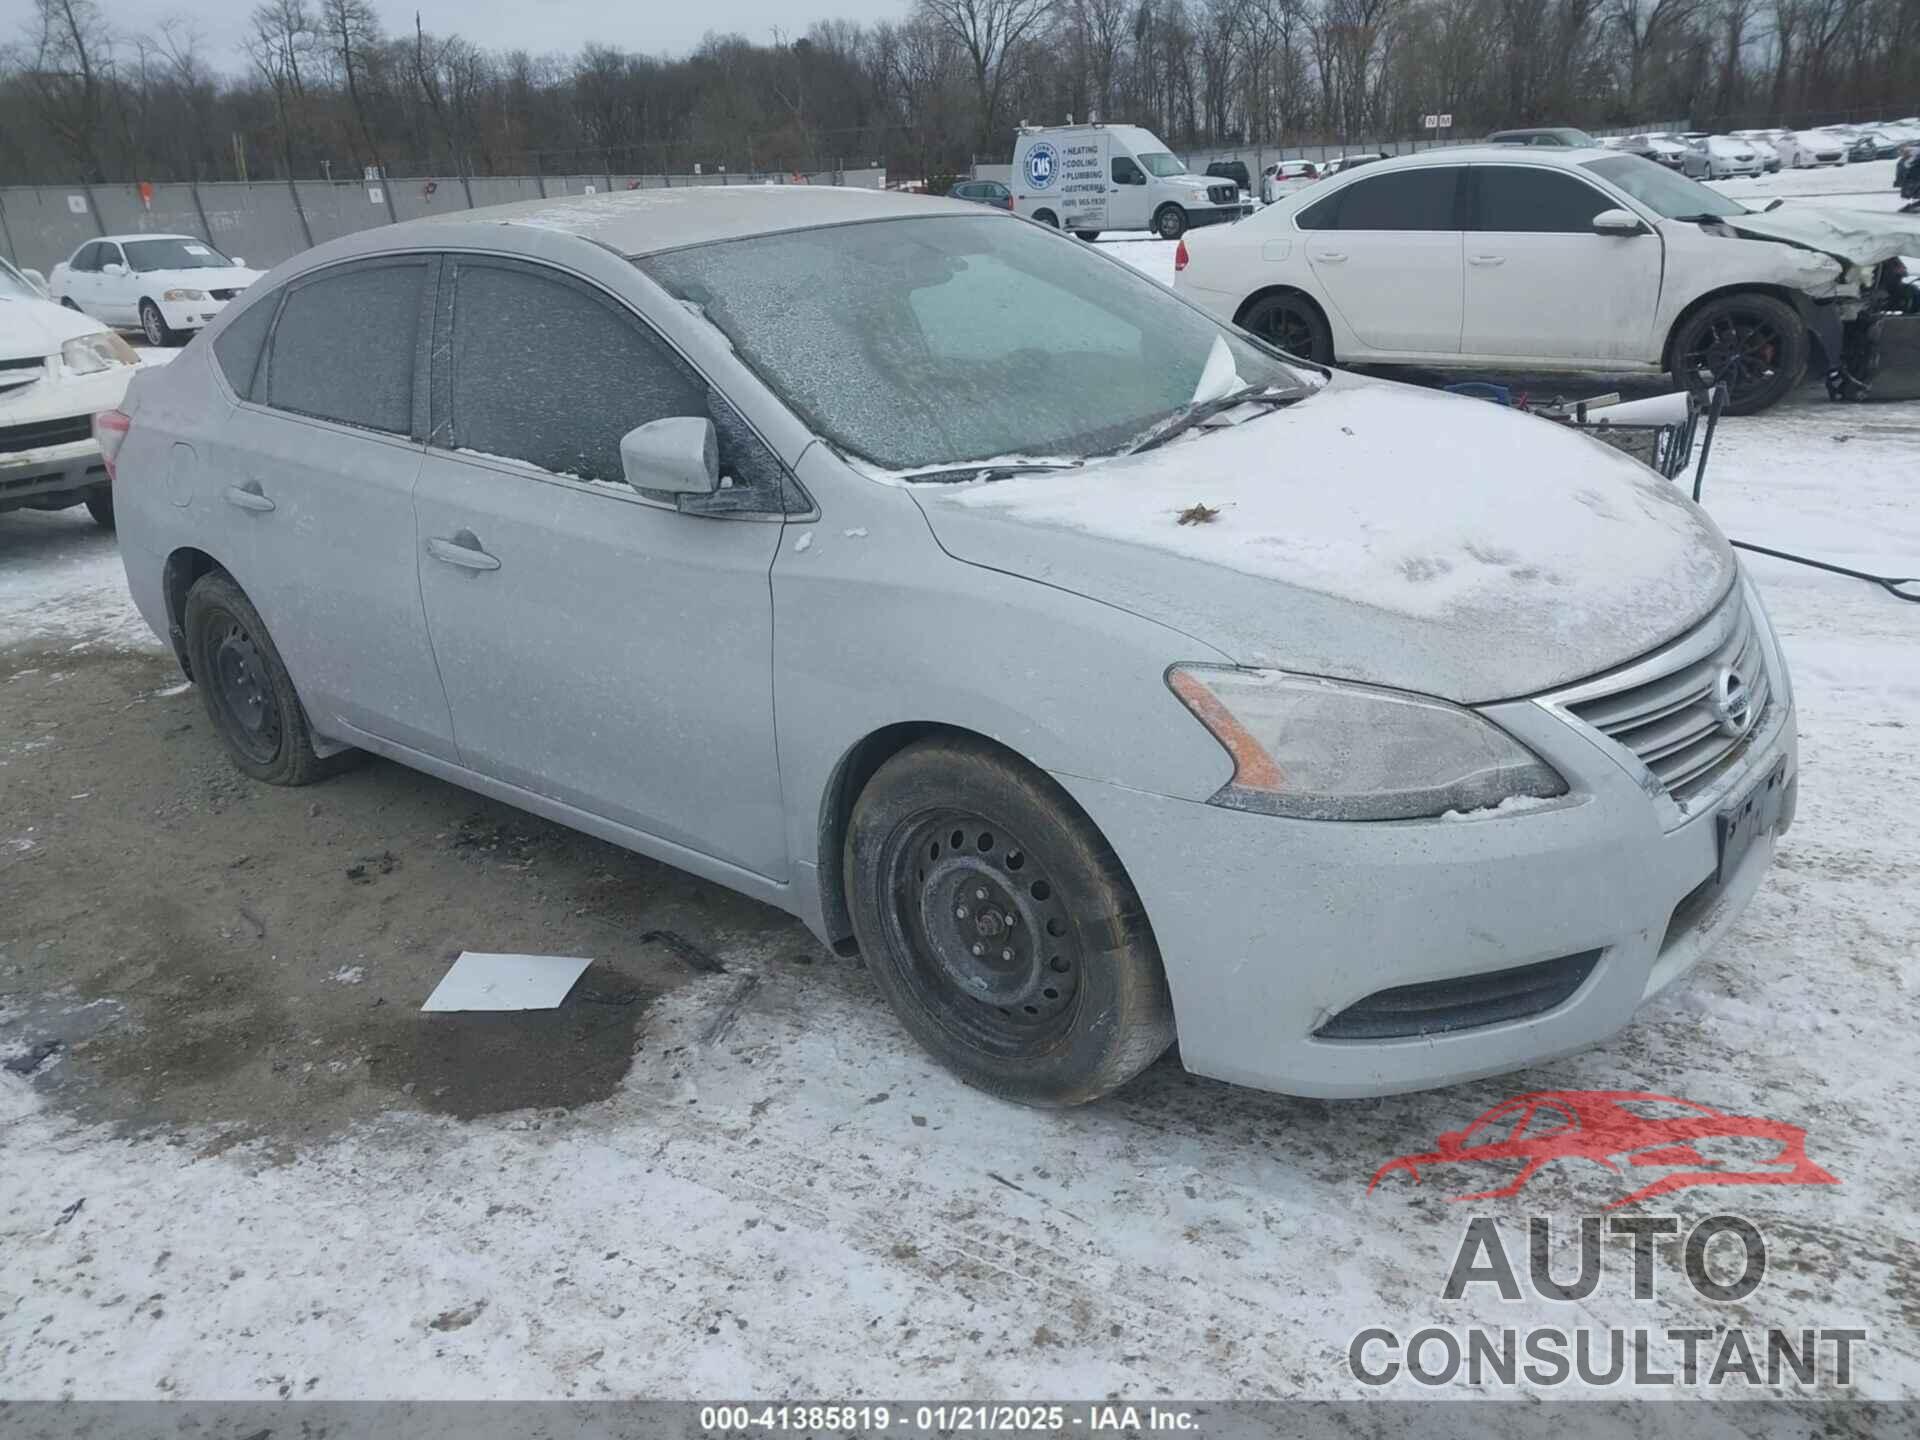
point(1188, 416)
point(1705, 219)
point(991, 472)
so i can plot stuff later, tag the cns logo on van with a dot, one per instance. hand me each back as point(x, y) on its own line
point(1043, 161)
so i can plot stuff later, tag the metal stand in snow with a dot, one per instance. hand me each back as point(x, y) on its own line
point(1890, 583)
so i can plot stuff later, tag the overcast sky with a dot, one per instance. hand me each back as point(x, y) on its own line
point(655, 27)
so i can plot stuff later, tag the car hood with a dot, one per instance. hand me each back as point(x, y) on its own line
point(39, 327)
point(1373, 532)
point(1853, 237)
point(216, 277)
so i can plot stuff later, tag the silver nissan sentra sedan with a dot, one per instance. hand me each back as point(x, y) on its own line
point(1103, 674)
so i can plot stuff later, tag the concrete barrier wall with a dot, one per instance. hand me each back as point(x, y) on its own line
point(267, 221)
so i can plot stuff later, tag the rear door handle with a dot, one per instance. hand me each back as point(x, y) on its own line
point(248, 496)
point(1332, 257)
point(1486, 259)
point(462, 550)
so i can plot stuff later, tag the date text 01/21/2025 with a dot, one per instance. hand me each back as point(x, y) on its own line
point(979, 1418)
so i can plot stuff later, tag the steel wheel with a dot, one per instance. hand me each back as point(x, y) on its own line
point(991, 948)
point(243, 692)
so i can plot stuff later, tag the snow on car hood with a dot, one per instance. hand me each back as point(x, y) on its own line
point(1853, 237)
point(31, 328)
point(1373, 532)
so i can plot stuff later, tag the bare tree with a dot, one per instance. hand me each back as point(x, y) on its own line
point(988, 31)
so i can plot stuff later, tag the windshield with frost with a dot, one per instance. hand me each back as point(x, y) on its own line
point(933, 341)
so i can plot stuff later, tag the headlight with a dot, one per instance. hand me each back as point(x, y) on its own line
point(90, 354)
point(184, 295)
point(1325, 750)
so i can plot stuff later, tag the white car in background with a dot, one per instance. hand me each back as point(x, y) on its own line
point(1351, 162)
point(165, 286)
point(57, 371)
point(1285, 177)
point(1808, 149)
point(1661, 148)
point(1535, 259)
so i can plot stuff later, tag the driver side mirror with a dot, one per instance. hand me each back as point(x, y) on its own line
point(677, 456)
point(238, 263)
point(1618, 222)
point(113, 267)
point(36, 279)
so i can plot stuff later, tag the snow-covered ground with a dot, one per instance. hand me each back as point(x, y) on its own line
point(797, 1201)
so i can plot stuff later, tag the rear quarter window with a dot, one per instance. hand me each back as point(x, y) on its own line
point(238, 345)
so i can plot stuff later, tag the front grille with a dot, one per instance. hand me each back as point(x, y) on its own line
point(45, 432)
point(1674, 715)
point(1223, 194)
point(1439, 1007)
point(17, 373)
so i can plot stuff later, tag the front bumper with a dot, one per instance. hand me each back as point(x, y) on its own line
point(1212, 215)
point(190, 314)
point(50, 477)
point(1270, 927)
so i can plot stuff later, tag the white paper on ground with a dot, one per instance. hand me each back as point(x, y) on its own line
point(506, 982)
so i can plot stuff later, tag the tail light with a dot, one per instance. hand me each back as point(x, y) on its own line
point(110, 433)
point(1008, 202)
point(1180, 257)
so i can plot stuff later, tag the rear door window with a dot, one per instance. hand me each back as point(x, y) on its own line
point(1403, 200)
point(346, 344)
point(1523, 199)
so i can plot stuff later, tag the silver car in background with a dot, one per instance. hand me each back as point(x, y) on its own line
point(1102, 674)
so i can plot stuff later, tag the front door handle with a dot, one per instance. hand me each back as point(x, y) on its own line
point(248, 496)
point(462, 550)
point(1486, 259)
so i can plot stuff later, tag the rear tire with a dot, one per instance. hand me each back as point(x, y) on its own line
point(1757, 344)
point(100, 506)
point(67, 300)
point(248, 694)
point(1170, 222)
point(1292, 322)
point(1046, 217)
point(1002, 928)
point(1087, 235)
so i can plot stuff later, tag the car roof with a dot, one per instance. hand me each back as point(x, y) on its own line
point(144, 235)
point(1558, 157)
point(640, 222)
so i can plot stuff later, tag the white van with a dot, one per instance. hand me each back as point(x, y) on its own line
point(1089, 178)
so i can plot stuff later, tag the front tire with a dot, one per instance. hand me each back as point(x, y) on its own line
point(1170, 222)
point(154, 326)
point(1755, 343)
point(1002, 928)
point(248, 694)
